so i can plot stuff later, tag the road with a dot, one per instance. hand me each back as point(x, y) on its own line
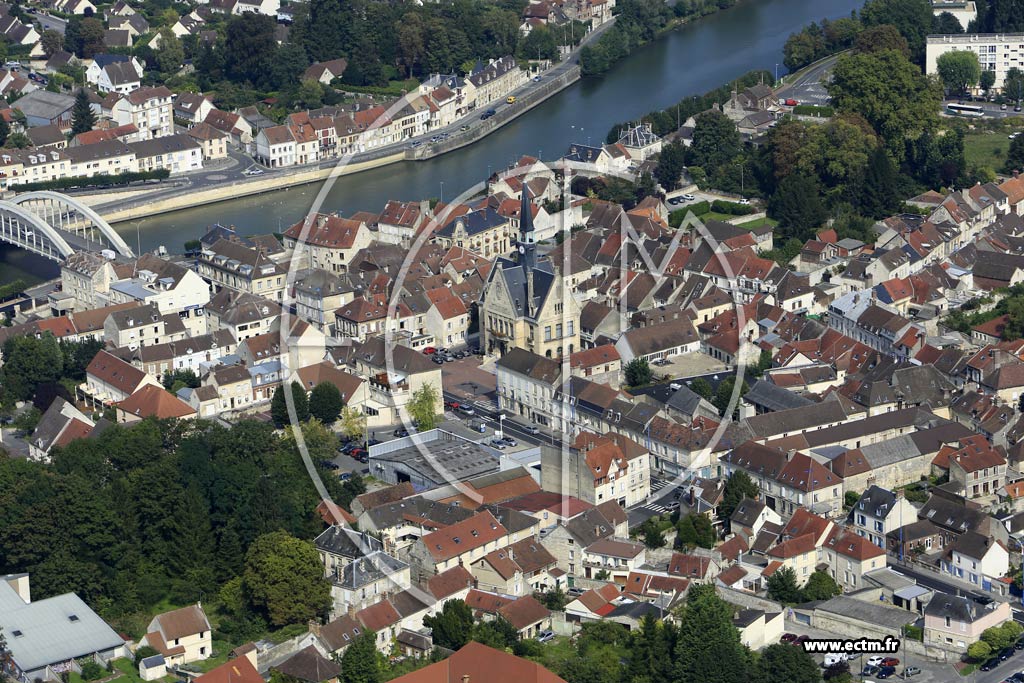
point(992, 110)
point(808, 88)
point(48, 21)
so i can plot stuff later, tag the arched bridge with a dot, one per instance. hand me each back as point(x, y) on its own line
point(55, 225)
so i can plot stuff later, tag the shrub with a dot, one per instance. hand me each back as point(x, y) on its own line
point(731, 208)
point(92, 671)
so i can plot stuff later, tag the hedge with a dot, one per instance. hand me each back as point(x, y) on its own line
point(731, 208)
point(675, 218)
point(101, 180)
point(812, 110)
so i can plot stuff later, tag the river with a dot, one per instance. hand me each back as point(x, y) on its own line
point(691, 60)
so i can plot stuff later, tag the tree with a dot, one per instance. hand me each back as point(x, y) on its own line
point(820, 586)
point(652, 534)
point(913, 19)
point(1015, 155)
point(880, 195)
point(946, 23)
point(310, 94)
point(51, 41)
point(360, 663)
point(250, 48)
point(716, 143)
point(723, 397)
point(325, 402)
point(452, 626)
point(5, 130)
point(1003, 636)
point(1003, 16)
point(638, 372)
point(179, 379)
point(29, 362)
point(783, 663)
point(803, 47)
point(284, 579)
point(539, 43)
point(890, 92)
point(959, 70)
point(702, 388)
point(880, 39)
point(695, 530)
point(171, 54)
point(671, 163)
point(782, 586)
point(498, 633)
point(987, 80)
point(353, 423)
point(797, 206)
point(82, 116)
point(738, 486)
point(1013, 83)
point(279, 408)
point(423, 407)
point(18, 141)
point(708, 647)
point(84, 36)
point(979, 651)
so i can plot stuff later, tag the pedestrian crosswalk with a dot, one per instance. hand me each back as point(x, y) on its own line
point(657, 508)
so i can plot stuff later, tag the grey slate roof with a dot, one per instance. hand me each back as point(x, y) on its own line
point(774, 398)
point(369, 569)
point(867, 612)
point(956, 607)
point(876, 501)
point(345, 542)
point(52, 630)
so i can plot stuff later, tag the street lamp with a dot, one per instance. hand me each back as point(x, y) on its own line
point(501, 425)
point(776, 73)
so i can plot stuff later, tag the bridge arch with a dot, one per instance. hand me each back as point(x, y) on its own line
point(14, 221)
point(108, 233)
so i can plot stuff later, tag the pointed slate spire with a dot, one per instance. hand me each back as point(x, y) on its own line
point(527, 242)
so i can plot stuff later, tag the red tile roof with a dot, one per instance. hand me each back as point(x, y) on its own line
point(154, 401)
point(461, 537)
point(477, 663)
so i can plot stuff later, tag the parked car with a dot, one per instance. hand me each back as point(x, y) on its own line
point(329, 464)
point(675, 200)
point(990, 664)
point(545, 636)
point(574, 591)
point(451, 405)
point(467, 410)
point(252, 171)
point(791, 102)
point(509, 441)
point(911, 671)
point(1005, 653)
point(890, 661)
point(511, 99)
point(438, 360)
point(1016, 107)
point(688, 197)
point(497, 443)
point(672, 505)
point(464, 128)
point(401, 432)
point(536, 79)
point(869, 670)
point(675, 386)
point(429, 351)
point(1019, 645)
point(361, 455)
point(886, 672)
point(345, 476)
point(532, 429)
point(875, 660)
point(787, 638)
point(800, 640)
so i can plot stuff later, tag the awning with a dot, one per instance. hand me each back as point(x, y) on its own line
point(911, 592)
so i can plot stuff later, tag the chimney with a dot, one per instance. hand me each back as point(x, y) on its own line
point(465, 678)
point(314, 627)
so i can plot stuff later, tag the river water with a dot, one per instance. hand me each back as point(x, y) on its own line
point(691, 60)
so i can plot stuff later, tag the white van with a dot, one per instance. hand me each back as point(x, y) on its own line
point(835, 658)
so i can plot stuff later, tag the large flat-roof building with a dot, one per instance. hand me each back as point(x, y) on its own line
point(997, 52)
point(431, 459)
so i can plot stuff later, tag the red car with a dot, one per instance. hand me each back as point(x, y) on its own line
point(451, 405)
point(429, 351)
point(890, 661)
point(791, 102)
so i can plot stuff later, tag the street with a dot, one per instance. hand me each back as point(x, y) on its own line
point(808, 88)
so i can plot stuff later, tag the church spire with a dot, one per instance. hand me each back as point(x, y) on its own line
point(527, 242)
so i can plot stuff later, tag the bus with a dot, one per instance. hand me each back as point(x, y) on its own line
point(965, 109)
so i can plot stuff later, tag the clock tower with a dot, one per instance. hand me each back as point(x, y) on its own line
point(526, 247)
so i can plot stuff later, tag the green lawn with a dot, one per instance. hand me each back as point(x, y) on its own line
point(986, 149)
point(758, 222)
